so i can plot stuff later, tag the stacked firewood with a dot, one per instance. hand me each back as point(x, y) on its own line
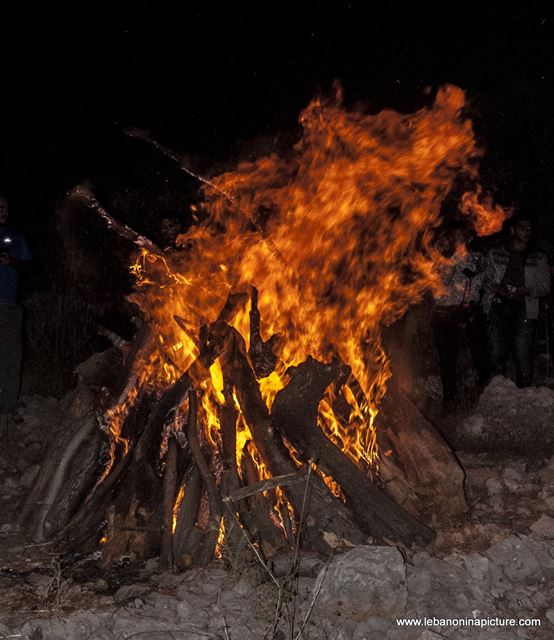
point(133, 509)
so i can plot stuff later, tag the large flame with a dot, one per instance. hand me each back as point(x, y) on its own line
point(337, 238)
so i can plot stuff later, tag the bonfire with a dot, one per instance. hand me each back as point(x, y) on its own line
point(256, 401)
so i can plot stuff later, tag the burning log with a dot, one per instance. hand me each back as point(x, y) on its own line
point(214, 499)
point(86, 517)
point(130, 493)
point(84, 528)
point(329, 524)
point(169, 493)
point(228, 421)
point(140, 491)
point(295, 413)
point(261, 353)
point(187, 537)
point(133, 480)
point(262, 529)
point(230, 480)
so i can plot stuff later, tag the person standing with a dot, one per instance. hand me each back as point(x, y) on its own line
point(456, 312)
point(13, 252)
point(516, 277)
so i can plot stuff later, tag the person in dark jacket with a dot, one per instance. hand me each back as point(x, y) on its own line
point(516, 277)
point(13, 252)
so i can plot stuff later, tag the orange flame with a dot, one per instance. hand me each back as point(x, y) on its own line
point(487, 217)
point(176, 507)
point(336, 237)
point(218, 551)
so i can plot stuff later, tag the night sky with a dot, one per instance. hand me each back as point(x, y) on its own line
point(205, 78)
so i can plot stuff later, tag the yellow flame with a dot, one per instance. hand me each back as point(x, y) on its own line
point(218, 552)
point(270, 387)
point(176, 507)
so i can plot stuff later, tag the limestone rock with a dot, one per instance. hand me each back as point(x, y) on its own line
point(132, 591)
point(366, 581)
point(544, 526)
point(517, 562)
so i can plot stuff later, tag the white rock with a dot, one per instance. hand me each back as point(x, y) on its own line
point(516, 561)
point(364, 582)
point(544, 526)
point(151, 565)
point(132, 591)
point(513, 479)
point(102, 633)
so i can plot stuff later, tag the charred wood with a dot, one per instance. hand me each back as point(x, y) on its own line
point(169, 494)
point(84, 192)
point(329, 524)
point(83, 530)
point(422, 456)
point(214, 499)
point(294, 413)
point(261, 353)
point(186, 542)
point(260, 486)
point(79, 480)
point(36, 507)
point(269, 538)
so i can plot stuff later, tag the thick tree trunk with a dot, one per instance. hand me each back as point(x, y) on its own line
point(421, 457)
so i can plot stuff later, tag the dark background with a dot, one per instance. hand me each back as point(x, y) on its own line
point(207, 79)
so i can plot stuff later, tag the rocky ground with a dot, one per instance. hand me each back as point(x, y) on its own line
point(497, 563)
